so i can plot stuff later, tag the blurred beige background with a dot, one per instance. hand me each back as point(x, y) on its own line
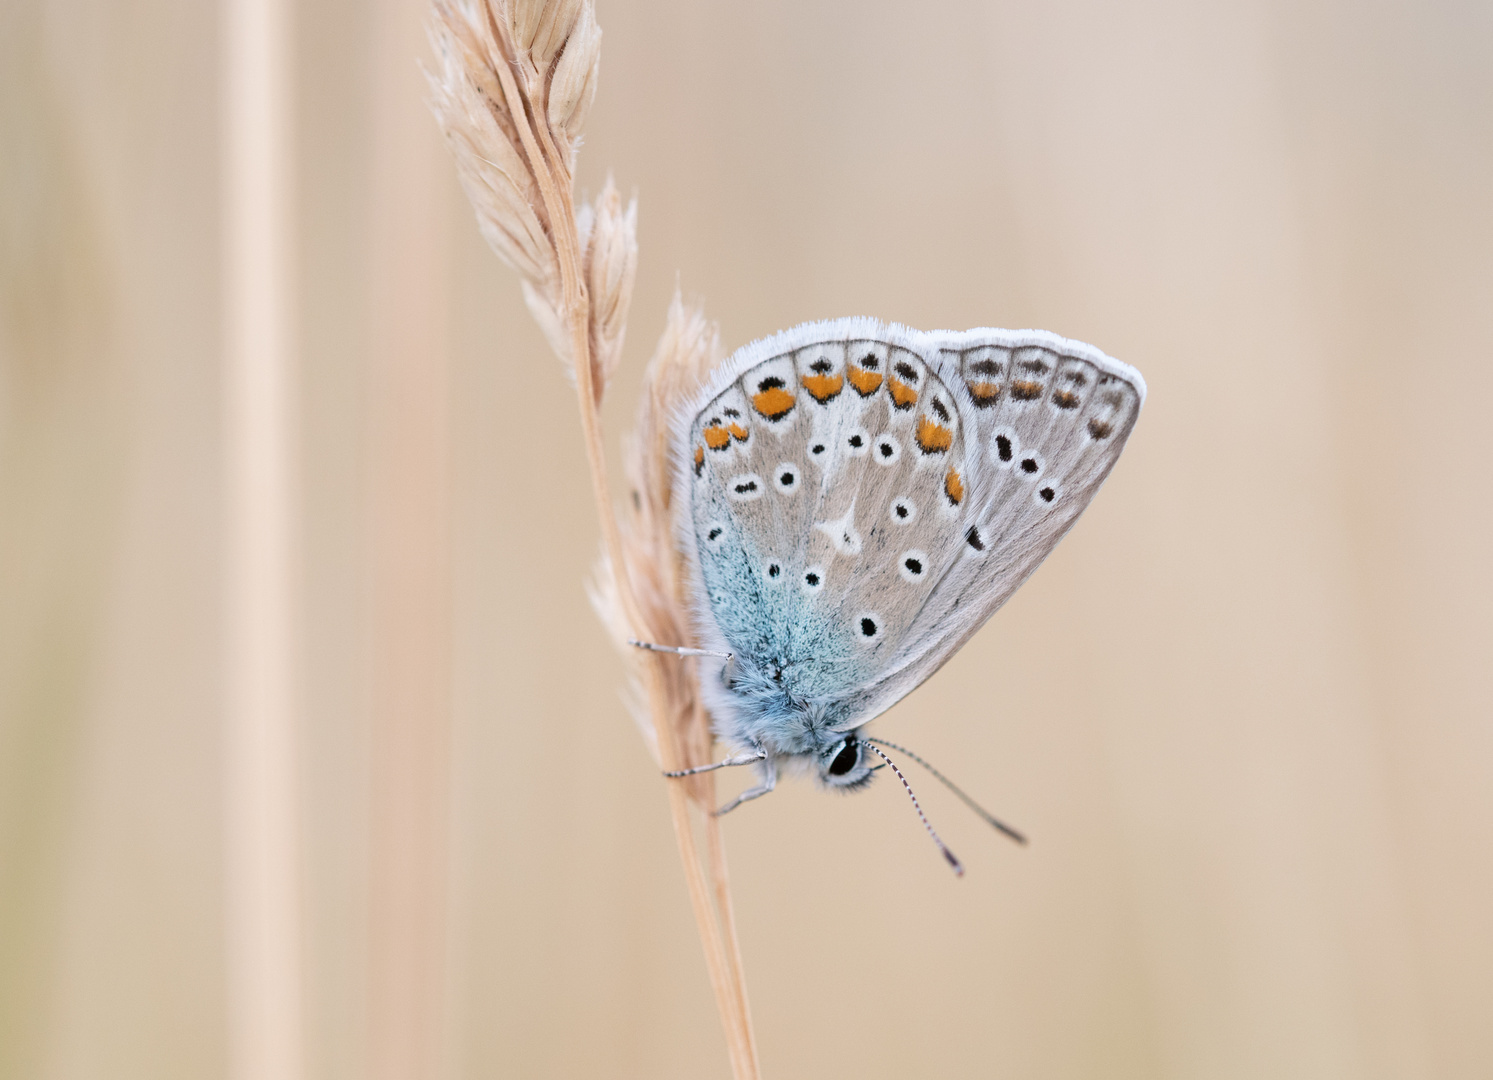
point(1244, 710)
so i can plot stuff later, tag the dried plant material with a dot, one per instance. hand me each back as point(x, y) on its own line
point(574, 85)
point(687, 352)
point(689, 348)
point(500, 158)
point(538, 29)
point(601, 590)
point(610, 235)
point(541, 305)
point(516, 80)
point(555, 48)
point(491, 162)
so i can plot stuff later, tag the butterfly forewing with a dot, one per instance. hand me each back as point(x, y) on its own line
point(1047, 422)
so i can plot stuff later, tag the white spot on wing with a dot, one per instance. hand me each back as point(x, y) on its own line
point(842, 533)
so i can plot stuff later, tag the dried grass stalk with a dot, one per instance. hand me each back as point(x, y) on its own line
point(515, 81)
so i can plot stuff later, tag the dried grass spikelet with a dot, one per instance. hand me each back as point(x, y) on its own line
point(609, 235)
point(551, 54)
point(491, 161)
point(541, 32)
point(573, 87)
point(687, 352)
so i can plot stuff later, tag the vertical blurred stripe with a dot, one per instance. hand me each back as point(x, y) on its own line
point(63, 449)
point(409, 510)
point(262, 881)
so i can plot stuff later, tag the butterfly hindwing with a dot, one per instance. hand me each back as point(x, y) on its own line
point(863, 497)
point(821, 509)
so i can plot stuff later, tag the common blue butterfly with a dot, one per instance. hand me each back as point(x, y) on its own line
point(861, 498)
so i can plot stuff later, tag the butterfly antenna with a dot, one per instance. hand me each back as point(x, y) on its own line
point(990, 818)
point(947, 854)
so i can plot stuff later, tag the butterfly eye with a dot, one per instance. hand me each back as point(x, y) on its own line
point(773, 571)
point(903, 511)
point(858, 442)
point(715, 533)
point(785, 479)
point(813, 579)
point(868, 626)
point(888, 450)
point(846, 760)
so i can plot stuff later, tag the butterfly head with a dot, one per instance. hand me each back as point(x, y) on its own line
point(843, 764)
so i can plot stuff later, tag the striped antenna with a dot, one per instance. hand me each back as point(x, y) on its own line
point(947, 854)
point(990, 818)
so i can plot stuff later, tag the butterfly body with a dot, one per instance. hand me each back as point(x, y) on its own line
point(861, 498)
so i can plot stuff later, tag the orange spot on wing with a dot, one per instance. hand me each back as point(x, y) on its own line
point(933, 438)
point(699, 459)
point(953, 487)
point(738, 432)
point(1026, 389)
point(717, 437)
point(984, 393)
point(903, 396)
point(773, 403)
point(865, 382)
point(823, 387)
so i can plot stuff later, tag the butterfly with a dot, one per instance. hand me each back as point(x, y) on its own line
point(861, 498)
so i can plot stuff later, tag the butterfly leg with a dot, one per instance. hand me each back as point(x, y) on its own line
point(769, 781)
point(750, 758)
point(677, 650)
